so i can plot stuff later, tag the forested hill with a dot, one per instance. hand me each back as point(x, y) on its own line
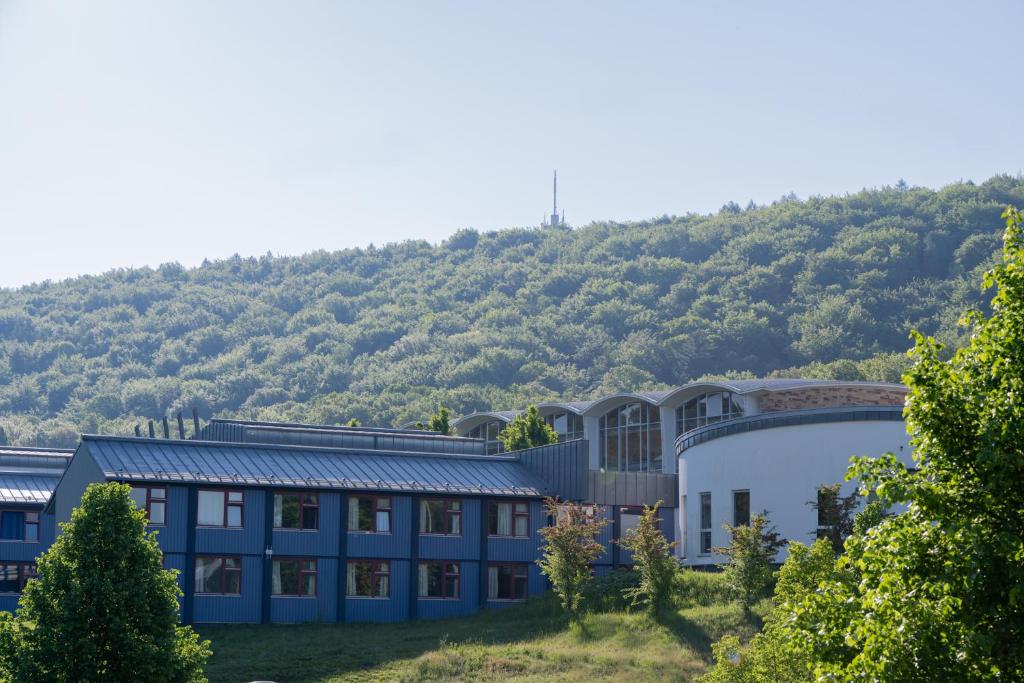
point(503, 318)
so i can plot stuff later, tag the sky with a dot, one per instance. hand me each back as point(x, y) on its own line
point(133, 134)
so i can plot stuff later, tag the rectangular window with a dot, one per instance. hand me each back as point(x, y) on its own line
point(441, 517)
point(370, 514)
point(19, 525)
point(152, 499)
point(297, 511)
point(218, 575)
point(741, 508)
point(629, 519)
point(295, 577)
point(220, 508)
point(439, 580)
point(705, 523)
point(14, 576)
point(368, 579)
point(508, 519)
point(507, 581)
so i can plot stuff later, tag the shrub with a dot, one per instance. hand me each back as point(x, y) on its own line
point(569, 550)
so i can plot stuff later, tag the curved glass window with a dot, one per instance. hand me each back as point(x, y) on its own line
point(568, 426)
point(489, 431)
point(630, 438)
point(707, 409)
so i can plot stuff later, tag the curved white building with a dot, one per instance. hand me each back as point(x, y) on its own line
point(725, 449)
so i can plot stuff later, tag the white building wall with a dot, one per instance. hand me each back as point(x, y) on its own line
point(782, 468)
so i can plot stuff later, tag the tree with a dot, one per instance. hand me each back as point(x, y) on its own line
point(937, 592)
point(835, 515)
point(354, 422)
point(751, 552)
point(102, 607)
point(526, 431)
point(570, 546)
point(440, 421)
point(654, 560)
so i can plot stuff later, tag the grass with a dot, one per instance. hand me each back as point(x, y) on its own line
point(528, 642)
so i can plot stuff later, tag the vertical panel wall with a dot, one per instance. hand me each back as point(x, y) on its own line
point(467, 603)
point(393, 608)
point(173, 535)
point(384, 546)
point(244, 608)
point(504, 549)
point(27, 551)
point(465, 546)
point(323, 607)
point(247, 540)
point(322, 542)
point(605, 536)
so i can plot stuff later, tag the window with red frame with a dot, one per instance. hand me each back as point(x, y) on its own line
point(297, 511)
point(368, 579)
point(218, 575)
point(507, 581)
point(295, 577)
point(14, 576)
point(438, 516)
point(19, 525)
point(220, 508)
point(152, 499)
point(369, 514)
point(508, 519)
point(439, 580)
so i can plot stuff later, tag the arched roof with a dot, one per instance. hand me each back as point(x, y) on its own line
point(468, 422)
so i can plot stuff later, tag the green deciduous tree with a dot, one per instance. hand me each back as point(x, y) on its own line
point(751, 552)
point(835, 514)
point(440, 421)
point(654, 560)
point(102, 608)
point(526, 431)
point(570, 546)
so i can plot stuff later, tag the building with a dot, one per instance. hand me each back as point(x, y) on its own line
point(279, 522)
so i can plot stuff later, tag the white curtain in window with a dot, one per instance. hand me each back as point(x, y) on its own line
point(276, 579)
point(427, 523)
point(424, 580)
point(492, 583)
point(383, 521)
point(350, 579)
point(504, 519)
point(278, 509)
point(353, 513)
point(211, 508)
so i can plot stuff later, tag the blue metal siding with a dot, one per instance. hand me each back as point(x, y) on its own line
point(520, 549)
point(394, 608)
point(604, 537)
point(536, 584)
point(324, 607)
point(248, 539)
point(385, 546)
point(173, 535)
point(244, 608)
point(464, 547)
point(8, 602)
point(177, 561)
point(320, 543)
point(667, 526)
point(27, 551)
point(467, 603)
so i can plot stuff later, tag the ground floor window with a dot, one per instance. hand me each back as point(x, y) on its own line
point(439, 580)
point(368, 579)
point(507, 581)
point(218, 575)
point(14, 576)
point(295, 577)
point(705, 523)
point(741, 508)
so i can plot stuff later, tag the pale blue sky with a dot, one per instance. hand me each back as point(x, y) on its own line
point(134, 133)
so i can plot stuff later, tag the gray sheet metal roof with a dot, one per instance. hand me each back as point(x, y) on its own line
point(29, 475)
point(142, 459)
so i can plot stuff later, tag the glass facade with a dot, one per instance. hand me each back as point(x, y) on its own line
point(630, 438)
point(568, 426)
point(707, 409)
point(489, 431)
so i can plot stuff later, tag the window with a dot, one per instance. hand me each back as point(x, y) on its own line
point(296, 511)
point(439, 580)
point(508, 519)
point(629, 519)
point(218, 575)
point(741, 508)
point(630, 438)
point(220, 508)
point(19, 525)
point(369, 514)
point(368, 579)
point(568, 426)
point(489, 432)
point(507, 581)
point(441, 517)
point(705, 523)
point(14, 575)
point(152, 499)
point(294, 577)
point(707, 409)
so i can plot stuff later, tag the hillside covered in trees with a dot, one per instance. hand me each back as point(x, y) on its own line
point(826, 287)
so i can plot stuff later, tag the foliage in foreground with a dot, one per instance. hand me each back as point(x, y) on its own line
point(569, 550)
point(527, 430)
point(751, 552)
point(102, 608)
point(654, 560)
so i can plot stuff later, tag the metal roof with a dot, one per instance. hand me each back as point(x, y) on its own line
point(345, 428)
point(143, 459)
point(29, 475)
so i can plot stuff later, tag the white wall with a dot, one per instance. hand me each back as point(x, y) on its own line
point(782, 468)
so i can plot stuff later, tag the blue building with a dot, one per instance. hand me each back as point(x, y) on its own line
point(272, 522)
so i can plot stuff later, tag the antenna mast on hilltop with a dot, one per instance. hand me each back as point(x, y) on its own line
point(555, 218)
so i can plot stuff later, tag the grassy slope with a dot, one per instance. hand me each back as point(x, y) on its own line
point(529, 642)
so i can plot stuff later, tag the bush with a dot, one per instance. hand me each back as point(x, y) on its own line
point(702, 588)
